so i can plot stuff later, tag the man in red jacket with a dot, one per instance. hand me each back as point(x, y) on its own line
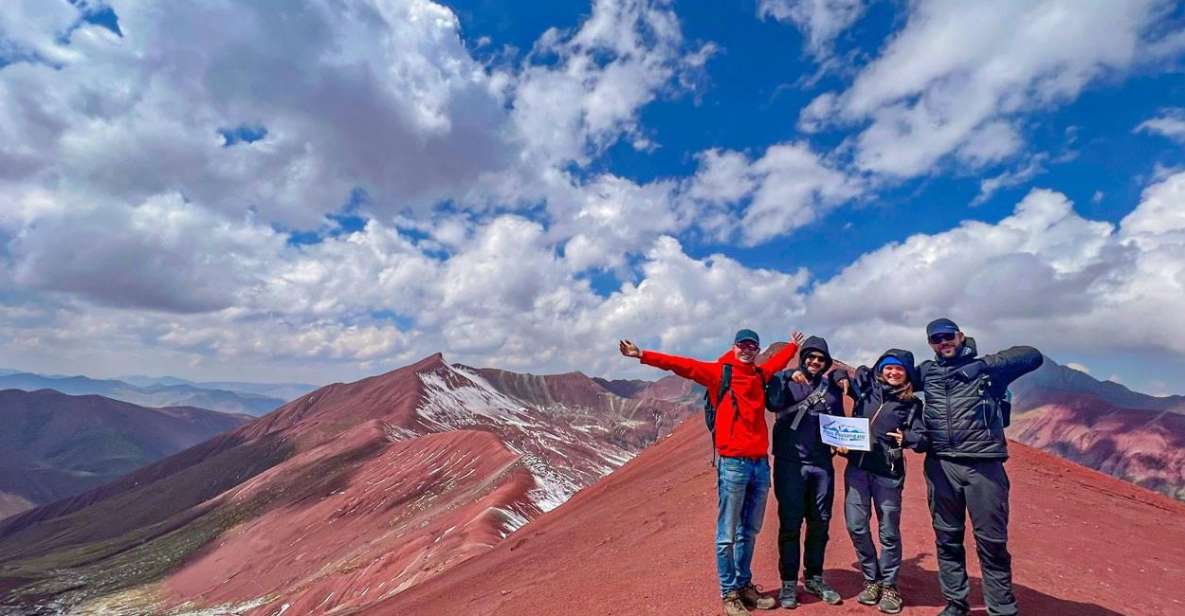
point(742, 440)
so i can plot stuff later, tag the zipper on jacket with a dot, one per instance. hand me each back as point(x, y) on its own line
point(950, 439)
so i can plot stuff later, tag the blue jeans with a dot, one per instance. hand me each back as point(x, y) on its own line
point(742, 485)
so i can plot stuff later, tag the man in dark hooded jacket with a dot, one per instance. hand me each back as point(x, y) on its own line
point(804, 478)
point(961, 429)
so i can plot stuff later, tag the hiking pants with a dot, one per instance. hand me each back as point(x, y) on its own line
point(805, 492)
point(742, 485)
point(980, 487)
point(863, 492)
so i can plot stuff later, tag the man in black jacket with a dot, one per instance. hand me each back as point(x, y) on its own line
point(961, 429)
point(804, 478)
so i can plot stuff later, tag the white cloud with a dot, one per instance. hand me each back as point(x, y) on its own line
point(788, 187)
point(820, 20)
point(1043, 276)
point(1170, 123)
point(581, 91)
point(957, 76)
point(1031, 168)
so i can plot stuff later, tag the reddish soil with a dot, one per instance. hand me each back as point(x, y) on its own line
point(640, 542)
point(343, 497)
point(396, 518)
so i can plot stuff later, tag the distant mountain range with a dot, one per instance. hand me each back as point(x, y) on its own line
point(250, 398)
point(1054, 377)
point(1103, 425)
point(379, 484)
point(55, 445)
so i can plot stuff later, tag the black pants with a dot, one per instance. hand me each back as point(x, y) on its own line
point(805, 492)
point(865, 492)
point(956, 488)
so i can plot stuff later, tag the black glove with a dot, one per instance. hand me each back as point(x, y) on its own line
point(972, 370)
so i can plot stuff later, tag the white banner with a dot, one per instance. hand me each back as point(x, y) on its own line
point(850, 432)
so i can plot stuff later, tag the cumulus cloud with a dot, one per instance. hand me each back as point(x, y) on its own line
point(954, 80)
point(788, 187)
point(1044, 275)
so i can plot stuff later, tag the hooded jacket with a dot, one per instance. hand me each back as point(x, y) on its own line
point(962, 417)
point(782, 393)
point(741, 431)
point(876, 400)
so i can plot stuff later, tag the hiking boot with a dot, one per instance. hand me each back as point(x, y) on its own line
point(788, 598)
point(733, 606)
point(953, 610)
point(871, 593)
point(816, 586)
point(753, 599)
point(891, 602)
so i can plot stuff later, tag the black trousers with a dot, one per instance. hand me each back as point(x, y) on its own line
point(958, 487)
point(805, 493)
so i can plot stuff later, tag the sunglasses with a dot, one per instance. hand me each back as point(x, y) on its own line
point(818, 358)
point(747, 345)
point(937, 338)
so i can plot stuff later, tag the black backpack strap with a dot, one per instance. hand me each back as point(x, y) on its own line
point(725, 383)
point(805, 405)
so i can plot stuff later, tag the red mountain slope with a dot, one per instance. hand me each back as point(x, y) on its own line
point(640, 542)
point(364, 489)
point(54, 445)
point(1142, 446)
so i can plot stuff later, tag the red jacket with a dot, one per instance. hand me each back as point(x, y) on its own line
point(740, 433)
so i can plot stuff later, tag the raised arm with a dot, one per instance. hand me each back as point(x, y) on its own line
point(702, 372)
point(778, 395)
point(781, 359)
point(1011, 364)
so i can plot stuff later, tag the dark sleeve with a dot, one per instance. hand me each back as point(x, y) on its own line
point(779, 395)
point(861, 382)
point(1011, 364)
point(915, 431)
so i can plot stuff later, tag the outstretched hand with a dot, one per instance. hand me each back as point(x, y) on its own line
point(629, 349)
point(796, 337)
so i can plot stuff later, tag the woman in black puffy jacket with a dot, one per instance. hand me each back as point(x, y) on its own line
point(875, 479)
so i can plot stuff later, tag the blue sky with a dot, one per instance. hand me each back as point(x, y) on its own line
point(320, 193)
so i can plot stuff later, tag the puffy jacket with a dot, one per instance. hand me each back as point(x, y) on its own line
point(876, 400)
point(962, 417)
point(782, 393)
point(741, 431)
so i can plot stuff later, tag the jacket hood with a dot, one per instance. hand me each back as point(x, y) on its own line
point(904, 357)
point(819, 345)
point(968, 351)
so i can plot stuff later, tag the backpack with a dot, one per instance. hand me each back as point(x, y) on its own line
point(710, 409)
